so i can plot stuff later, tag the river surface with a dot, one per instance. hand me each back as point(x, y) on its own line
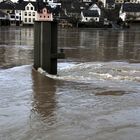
point(95, 96)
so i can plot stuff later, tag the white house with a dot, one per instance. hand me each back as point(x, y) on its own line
point(132, 10)
point(93, 14)
point(25, 12)
point(29, 15)
point(18, 12)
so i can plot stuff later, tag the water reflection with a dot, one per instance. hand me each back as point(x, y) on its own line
point(109, 45)
point(16, 46)
point(131, 44)
point(44, 102)
point(2, 60)
point(84, 45)
point(100, 45)
point(16, 36)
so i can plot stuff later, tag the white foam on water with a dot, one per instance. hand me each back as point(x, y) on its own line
point(93, 72)
point(119, 75)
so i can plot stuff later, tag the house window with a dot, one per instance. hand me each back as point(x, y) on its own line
point(44, 16)
point(25, 19)
point(86, 19)
point(29, 19)
point(33, 19)
point(25, 13)
point(12, 16)
point(29, 13)
point(32, 8)
point(27, 8)
point(40, 16)
point(33, 13)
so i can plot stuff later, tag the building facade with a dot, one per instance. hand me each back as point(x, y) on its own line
point(29, 14)
point(45, 15)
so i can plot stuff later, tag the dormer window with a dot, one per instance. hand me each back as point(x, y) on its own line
point(27, 8)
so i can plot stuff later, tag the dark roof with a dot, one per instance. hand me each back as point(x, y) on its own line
point(23, 4)
point(71, 7)
point(56, 10)
point(49, 8)
point(7, 5)
point(40, 5)
point(131, 7)
point(90, 13)
point(20, 6)
point(110, 2)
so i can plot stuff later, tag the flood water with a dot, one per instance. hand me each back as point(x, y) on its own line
point(95, 96)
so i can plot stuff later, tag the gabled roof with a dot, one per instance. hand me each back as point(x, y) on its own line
point(22, 5)
point(131, 7)
point(9, 5)
point(90, 13)
point(93, 6)
point(34, 4)
point(41, 6)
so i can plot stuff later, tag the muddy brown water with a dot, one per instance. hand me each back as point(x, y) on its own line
point(95, 96)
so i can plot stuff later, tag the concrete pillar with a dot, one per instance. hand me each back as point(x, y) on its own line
point(45, 46)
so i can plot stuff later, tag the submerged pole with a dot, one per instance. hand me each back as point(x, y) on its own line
point(45, 46)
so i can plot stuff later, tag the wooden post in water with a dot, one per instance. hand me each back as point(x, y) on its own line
point(45, 46)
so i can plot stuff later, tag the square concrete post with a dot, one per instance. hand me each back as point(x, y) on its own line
point(45, 46)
